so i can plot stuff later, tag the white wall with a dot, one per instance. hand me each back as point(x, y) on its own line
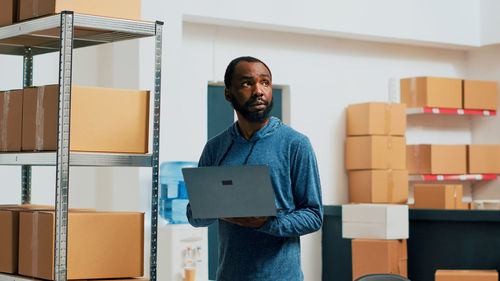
point(445, 22)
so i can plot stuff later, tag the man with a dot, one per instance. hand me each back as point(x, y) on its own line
point(263, 248)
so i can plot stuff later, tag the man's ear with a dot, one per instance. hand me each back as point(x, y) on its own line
point(227, 95)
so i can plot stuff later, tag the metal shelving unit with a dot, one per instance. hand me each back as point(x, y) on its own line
point(463, 177)
point(62, 33)
point(452, 111)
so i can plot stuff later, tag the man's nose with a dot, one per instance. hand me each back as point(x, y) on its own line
point(258, 90)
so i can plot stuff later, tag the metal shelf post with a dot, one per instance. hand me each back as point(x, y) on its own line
point(156, 151)
point(63, 149)
point(26, 169)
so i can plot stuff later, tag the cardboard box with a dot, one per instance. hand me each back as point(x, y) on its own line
point(8, 13)
point(126, 9)
point(483, 159)
point(376, 118)
point(436, 159)
point(379, 256)
point(102, 120)
point(439, 196)
point(466, 275)
point(375, 152)
point(480, 94)
point(378, 186)
point(11, 114)
point(375, 221)
point(431, 92)
point(9, 235)
point(100, 245)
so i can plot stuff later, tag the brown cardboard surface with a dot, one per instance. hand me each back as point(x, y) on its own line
point(378, 186)
point(39, 131)
point(376, 118)
point(100, 245)
point(126, 9)
point(378, 256)
point(436, 159)
point(11, 114)
point(9, 235)
point(483, 159)
point(7, 15)
point(480, 94)
point(375, 152)
point(466, 275)
point(439, 196)
point(102, 120)
point(431, 92)
point(9, 227)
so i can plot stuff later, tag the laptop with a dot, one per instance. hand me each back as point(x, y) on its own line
point(230, 191)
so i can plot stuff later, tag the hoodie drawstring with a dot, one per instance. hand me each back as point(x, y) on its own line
point(229, 149)
point(250, 152)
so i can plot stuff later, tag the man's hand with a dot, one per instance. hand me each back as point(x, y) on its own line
point(253, 222)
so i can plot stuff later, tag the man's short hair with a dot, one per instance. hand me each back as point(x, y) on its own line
point(228, 76)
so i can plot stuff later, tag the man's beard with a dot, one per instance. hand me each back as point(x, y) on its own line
point(254, 117)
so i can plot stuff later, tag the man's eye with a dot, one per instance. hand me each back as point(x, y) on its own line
point(245, 84)
point(266, 82)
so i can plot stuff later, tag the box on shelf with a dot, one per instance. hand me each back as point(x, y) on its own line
point(8, 12)
point(375, 221)
point(483, 159)
point(436, 159)
point(431, 92)
point(376, 118)
point(9, 235)
point(375, 152)
point(100, 245)
point(102, 119)
point(379, 256)
point(466, 275)
point(489, 204)
point(125, 9)
point(439, 196)
point(480, 94)
point(378, 186)
point(11, 114)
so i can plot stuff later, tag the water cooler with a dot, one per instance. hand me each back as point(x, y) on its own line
point(182, 249)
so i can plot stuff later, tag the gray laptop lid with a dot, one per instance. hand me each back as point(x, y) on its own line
point(230, 191)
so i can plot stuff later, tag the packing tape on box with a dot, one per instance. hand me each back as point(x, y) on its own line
point(3, 122)
point(40, 118)
point(387, 119)
point(34, 245)
point(389, 152)
point(35, 8)
point(416, 157)
point(413, 91)
point(390, 185)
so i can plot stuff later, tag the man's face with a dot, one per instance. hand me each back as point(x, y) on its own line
point(250, 92)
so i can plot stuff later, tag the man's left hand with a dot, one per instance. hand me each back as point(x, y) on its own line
point(253, 222)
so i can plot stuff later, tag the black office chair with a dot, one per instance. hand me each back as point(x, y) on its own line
point(382, 277)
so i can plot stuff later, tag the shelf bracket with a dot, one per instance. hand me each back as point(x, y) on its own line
point(26, 169)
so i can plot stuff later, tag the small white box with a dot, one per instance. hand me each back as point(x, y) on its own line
point(375, 221)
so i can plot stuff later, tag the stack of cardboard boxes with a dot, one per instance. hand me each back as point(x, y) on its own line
point(18, 10)
point(102, 120)
point(375, 159)
point(100, 244)
point(449, 159)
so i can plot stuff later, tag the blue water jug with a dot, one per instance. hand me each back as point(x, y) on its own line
point(173, 195)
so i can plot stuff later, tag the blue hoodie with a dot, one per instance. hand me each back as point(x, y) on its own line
point(271, 252)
